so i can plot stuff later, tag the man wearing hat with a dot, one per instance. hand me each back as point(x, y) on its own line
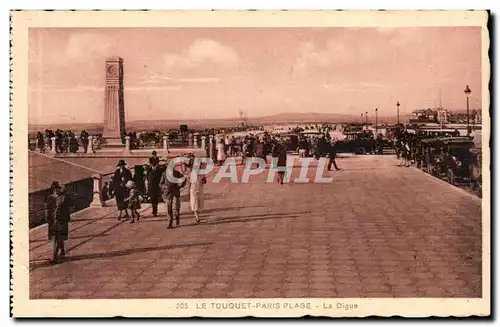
point(154, 177)
point(57, 214)
point(154, 159)
point(120, 178)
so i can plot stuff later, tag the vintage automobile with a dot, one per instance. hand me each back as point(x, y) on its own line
point(430, 150)
point(432, 132)
point(290, 140)
point(357, 142)
point(455, 158)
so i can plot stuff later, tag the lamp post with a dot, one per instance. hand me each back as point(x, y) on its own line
point(362, 119)
point(397, 105)
point(467, 92)
point(366, 117)
point(376, 121)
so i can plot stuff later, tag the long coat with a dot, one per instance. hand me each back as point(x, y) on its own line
point(120, 178)
point(154, 178)
point(57, 214)
point(279, 152)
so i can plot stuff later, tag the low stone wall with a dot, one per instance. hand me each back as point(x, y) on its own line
point(81, 192)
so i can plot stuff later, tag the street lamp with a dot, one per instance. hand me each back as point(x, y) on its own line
point(467, 92)
point(362, 118)
point(397, 105)
point(366, 113)
point(376, 121)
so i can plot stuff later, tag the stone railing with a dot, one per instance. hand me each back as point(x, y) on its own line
point(195, 141)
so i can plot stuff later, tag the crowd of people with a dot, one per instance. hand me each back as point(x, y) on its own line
point(66, 141)
point(267, 144)
point(151, 183)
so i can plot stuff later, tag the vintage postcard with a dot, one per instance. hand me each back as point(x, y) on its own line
point(251, 163)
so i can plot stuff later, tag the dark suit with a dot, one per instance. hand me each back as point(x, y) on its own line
point(332, 154)
point(119, 180)
point(154, 191)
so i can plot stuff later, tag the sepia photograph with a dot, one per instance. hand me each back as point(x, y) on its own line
point(251, 164)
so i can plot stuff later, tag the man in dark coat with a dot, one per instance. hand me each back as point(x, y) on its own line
point(120, 178)
point(171, 192)
point(57, 214)
point(260, 151)
point(84, 137)
point(279, 154)
point(154, 192)
point(154, 159)
point(332, 154)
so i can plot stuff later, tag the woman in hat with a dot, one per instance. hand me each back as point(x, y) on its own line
point(121, 177)
point(57, 214)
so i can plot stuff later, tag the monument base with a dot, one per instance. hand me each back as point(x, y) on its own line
point(112, 142)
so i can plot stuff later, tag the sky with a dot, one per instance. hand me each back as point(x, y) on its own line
point(206, 73)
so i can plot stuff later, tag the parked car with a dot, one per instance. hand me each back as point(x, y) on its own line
point(431, 149)
point(455, 158)
point(360, 142)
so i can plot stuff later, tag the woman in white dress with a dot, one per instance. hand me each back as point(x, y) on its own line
point(221, 156)
point(196, 192)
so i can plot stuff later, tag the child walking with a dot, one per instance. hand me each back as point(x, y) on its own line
point(134, 200)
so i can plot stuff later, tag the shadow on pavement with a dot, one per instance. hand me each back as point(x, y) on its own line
point(235, 219)
point(118, 253)
point(214, 210)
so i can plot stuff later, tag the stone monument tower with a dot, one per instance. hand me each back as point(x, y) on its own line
point(114, 111)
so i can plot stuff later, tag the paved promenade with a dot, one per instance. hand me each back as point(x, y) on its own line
point(377, 231)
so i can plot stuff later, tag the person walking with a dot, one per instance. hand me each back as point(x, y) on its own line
point(40, 142)
point(332, 155)
point(154, 192)
point(120, 178)
point(133, 200)
point(196, 192)
point(171, 193)
point(279, 152)
point(139, 179)
point(221, 153)
point(84, 137)
point(57, 214)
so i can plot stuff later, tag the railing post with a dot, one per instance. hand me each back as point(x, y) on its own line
point(211, 146)
point(165, 143)
point(53, 143)
point(91, 144)
point(203, 142)
point(97, 189)
point(127, 143)
point(195, 140)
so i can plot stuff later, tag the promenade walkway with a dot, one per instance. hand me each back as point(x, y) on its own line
point(377, 231)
